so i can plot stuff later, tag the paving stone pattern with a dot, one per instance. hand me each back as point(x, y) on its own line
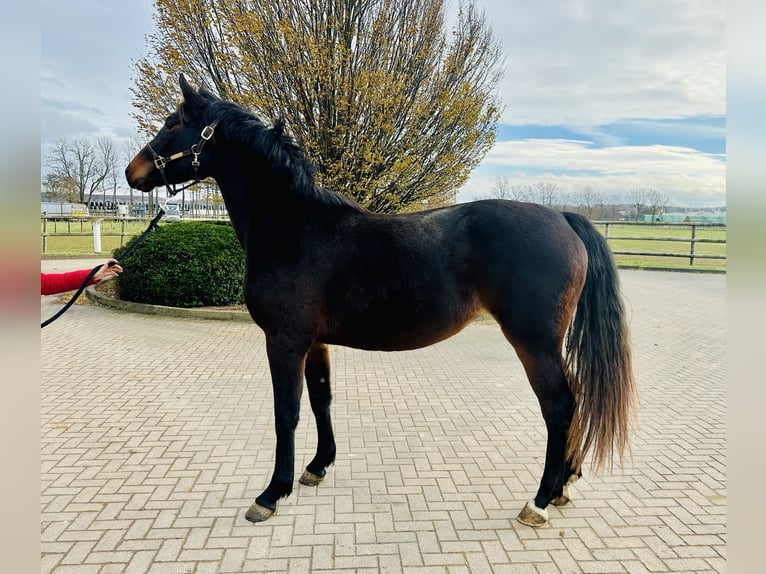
point(157, 435)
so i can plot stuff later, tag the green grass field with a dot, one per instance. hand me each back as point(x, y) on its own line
point(654, 239)
point(648, 239)
point(78, 245)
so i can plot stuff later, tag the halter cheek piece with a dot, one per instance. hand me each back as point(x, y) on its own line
point(160, 162)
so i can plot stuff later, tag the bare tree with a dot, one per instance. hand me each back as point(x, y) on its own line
point(82, 162)
point(502, 188)
point(61, 188)
point(568, 200)
point(606, 206)
point(544, 193)
point(108, 156)
point(639, 198)
point(657, 203)
point(587, 200)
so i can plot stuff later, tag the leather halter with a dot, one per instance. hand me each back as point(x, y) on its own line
point(160, 162)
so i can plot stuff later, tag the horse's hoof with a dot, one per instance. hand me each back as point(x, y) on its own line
point(258, 513)
point(564, 498)
point(531, 515)
point(310, 479)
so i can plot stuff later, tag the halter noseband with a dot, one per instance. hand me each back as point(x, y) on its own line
point(160, 162)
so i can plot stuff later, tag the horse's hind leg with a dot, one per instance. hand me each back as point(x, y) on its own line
point(546, 375)
point(320, 396)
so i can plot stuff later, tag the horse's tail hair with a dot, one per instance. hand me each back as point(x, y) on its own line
point(598, 360)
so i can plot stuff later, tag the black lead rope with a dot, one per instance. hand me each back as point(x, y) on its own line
point(152, 226)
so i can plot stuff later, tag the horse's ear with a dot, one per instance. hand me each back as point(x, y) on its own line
point(190, 94)
point(279, 127)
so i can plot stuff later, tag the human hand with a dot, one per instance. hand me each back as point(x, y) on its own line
point(108, 271)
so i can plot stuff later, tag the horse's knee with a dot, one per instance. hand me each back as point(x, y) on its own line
point(286, 421)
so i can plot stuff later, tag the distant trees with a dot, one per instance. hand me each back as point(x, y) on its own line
point(394, 109)
point(502, 188)
point(544, 193)
point(587, 201)
point(648, 201)
point(79, 167)
point(60, 187)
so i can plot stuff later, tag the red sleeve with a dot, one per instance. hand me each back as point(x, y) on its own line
point(52, 283)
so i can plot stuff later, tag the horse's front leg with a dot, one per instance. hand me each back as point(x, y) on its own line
point(318, 383)
point(286, 362)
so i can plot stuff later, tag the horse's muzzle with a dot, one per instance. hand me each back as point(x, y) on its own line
point(138, 174)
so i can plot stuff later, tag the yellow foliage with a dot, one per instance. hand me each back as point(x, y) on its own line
point(393, 109)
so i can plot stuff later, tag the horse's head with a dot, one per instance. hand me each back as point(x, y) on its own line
point(180, 151)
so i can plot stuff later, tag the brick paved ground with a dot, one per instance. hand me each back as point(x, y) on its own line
point(157, 435)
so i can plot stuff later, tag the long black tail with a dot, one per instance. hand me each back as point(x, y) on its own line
point(598, 359)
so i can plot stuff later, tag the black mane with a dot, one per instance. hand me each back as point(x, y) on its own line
point(286, 157)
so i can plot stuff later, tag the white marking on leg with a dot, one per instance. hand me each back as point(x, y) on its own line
point(537, 510)
point(531, 515)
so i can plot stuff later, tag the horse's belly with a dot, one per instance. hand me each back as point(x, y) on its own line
point(399, 328)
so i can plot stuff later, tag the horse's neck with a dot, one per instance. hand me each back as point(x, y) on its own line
point(233, 183)
point(253, 203)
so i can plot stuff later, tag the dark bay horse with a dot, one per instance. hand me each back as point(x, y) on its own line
point(322, 270)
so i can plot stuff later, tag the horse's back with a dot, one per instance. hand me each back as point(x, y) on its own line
point(525, 237)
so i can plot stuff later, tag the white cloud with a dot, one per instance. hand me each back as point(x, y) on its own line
point(689, 176)
point(588, 63)
point(592, 62)
point(569, 62)
point(86, 53)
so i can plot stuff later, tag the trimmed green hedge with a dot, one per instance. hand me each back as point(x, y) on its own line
point(190, 264)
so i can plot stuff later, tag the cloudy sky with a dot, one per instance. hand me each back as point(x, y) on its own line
point(598, 94)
